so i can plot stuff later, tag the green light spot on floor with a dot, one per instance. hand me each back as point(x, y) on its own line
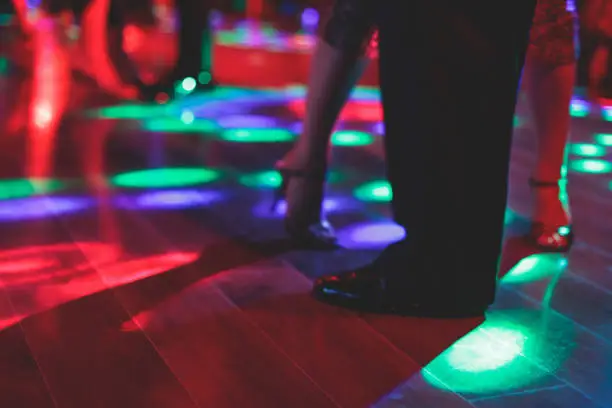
point(587, 150)
point(22, 188)
point(257, 135)
point(604, 139)
point(132, 112)
point(375, 191)
point(271, 179)
point(165, 178)
point(535, 268)
point(579, 109)
point(590, 166)
point(352, 138)
point(265, 179)
point(187, 123)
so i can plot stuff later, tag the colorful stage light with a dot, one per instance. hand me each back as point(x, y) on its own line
point(186, 123)
point(21, 188)
point(133, 111)
point(349, 138)
point(375, 191)
point(257, 135)
point(579, 108)
point(331, 205)
point(170, 199)
point(510, 351)
point(587, 150)
point(247, 122)
point(371, 235)
point(604, 139)
point(265, 180)
point(590, 166)
point(165, 177)
point(40, 207)
point(270, 179)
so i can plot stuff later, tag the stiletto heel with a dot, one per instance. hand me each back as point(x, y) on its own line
point(305, 229)
point(550, 238)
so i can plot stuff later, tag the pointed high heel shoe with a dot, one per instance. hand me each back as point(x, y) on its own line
point(306, 230)
point(550, 238)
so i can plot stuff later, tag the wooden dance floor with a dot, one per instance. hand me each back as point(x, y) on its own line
point(140, 266)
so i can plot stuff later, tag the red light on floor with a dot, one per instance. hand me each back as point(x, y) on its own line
point(358, 111)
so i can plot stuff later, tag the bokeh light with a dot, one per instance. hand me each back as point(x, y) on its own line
point(257, 135)
point(165, 177)
point(170, 199)
point(247, 122)
point(370, 235)
point(592, 166)
point(536, 267)
point(40, 207)
point(187, 123)
point(375, 191)
point(270, 179)
point(21, 188)
point(265, 180)
point(349, 138)
point(579, 108)
point(604, 139)
point(587, 150)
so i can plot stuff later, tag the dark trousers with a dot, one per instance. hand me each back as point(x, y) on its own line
point(194, 38)
point(449, 77)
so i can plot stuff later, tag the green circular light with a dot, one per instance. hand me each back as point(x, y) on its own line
point(579, 109)
point(351, 138)
point(257, 135)
point(535, 267)
point(376, 191)
point(587, 150)
point(165, 178)
point(185, 124)
point(591, 166)
point(132, 112)
point(21, 188)
point(189, 84)
point(604, 139)
point(264, 179)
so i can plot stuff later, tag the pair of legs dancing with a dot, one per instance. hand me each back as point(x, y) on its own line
point(339, 61)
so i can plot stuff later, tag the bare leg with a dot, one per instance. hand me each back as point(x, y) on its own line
point(333, 75)
point(549, 90)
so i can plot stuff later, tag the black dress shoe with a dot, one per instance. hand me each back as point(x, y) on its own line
point(368, 290)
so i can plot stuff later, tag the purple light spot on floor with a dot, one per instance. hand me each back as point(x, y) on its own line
point(170, 199)
point(40, 207)
point(371, 235)
point(248, 122)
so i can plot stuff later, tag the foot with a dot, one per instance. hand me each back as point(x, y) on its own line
point(379, 288)
point(304, 220)
point(551, 229)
